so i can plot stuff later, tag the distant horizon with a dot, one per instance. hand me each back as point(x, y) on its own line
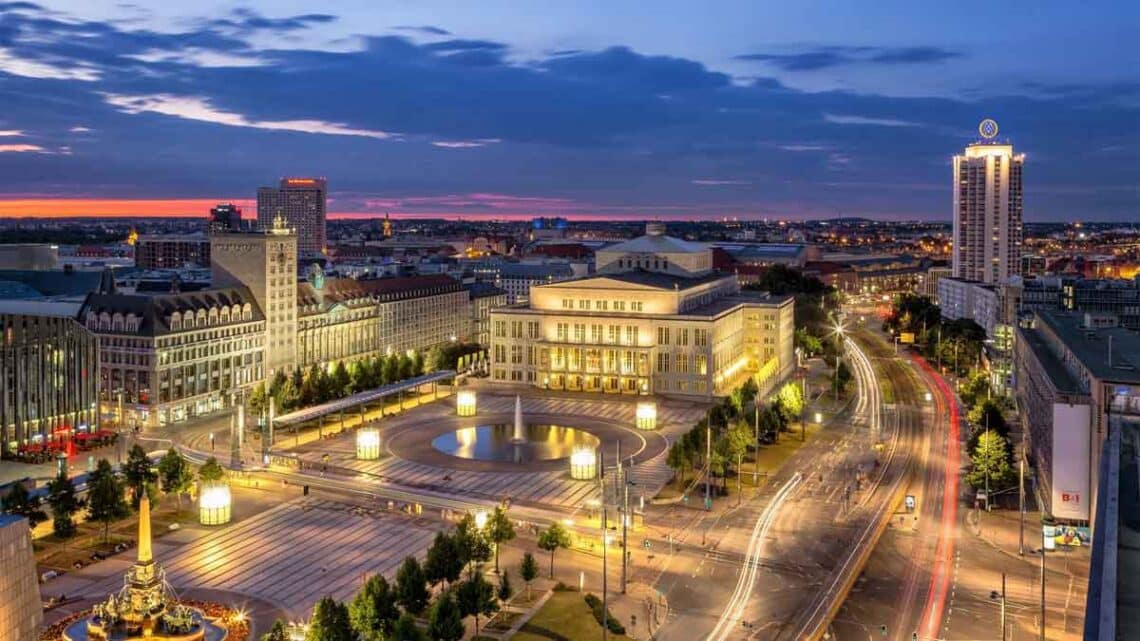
point(120, 209)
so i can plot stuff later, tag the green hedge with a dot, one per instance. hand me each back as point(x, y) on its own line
point(611, 622)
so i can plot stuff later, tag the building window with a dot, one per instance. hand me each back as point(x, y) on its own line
point(662, 335)
point(662, 363)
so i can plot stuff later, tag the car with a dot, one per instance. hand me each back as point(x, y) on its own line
point(48, 576)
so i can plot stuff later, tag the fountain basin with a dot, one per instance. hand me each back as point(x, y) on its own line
point(499, 442)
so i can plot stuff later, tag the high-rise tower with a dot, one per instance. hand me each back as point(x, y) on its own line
point(987, 209)
point(265, 261)
point(302, 202)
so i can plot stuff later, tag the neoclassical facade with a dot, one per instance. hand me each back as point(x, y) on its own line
point(347, 319)
point(170, 357)
point(656, 319)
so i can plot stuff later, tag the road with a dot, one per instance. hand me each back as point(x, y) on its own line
point(778, 567)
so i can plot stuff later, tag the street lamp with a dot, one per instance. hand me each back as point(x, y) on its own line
point(481, 519)
point(839, 332)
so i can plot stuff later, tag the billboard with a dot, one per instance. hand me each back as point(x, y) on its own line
point(906, 338)
point(1070, 473)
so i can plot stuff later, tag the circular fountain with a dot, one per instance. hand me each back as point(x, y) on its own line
point(520, 442)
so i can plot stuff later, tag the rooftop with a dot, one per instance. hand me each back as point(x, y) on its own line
point(656, 244)
point(62, 309)
point(1062, 380)
point(1091, 346)
point(155, 310)
point(661, 280)
point(531, 270)
point(62, 282)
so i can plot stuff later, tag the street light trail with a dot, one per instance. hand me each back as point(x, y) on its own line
point(734, 610)
point(944, 552)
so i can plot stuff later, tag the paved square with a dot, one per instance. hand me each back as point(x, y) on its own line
point(296, 553)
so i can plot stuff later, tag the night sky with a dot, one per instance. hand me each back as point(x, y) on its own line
point(609, 109)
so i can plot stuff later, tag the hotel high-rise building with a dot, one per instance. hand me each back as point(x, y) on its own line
point(302, 202)
point(987, 209)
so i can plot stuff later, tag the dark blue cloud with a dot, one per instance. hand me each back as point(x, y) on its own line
point(612, 130)
point(248, 19)
point(817, 58)
point(425, 29)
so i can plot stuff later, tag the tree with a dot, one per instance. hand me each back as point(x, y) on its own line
point(791, 400)
point(771, 421)
point(471, 542)
point(175, 474)
point(405, 367)
point(406, 629)
point(445, 621)
point(505, 591)
point(391, 371)
point(411, 586)
point(476, 597)
point(259, 400)
point(552, 538)
point(288, 397)
point(61, 497)
point(20, 502)
point(361, 373)
point(442, 562)
point(211, 470)
point(139, 474)
point(417, 363)
point(842, 377)
point(279, 632)
point(679, 458)
point(330, 622)
point(808, 344)
point(105, 502)
point(373, 612)
point(341, 383)
point(275, 386)
point(499, 530)
point(991, 459)
point(528, 570)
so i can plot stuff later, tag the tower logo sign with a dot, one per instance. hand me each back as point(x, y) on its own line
point(988, 128)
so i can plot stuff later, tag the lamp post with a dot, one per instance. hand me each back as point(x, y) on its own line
point(1047, 533)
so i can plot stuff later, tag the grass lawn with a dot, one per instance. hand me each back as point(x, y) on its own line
point(770, 458)
point(565, 617)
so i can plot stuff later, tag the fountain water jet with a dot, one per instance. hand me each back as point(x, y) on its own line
point(520, 429)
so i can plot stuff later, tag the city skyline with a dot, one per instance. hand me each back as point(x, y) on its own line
point(583, 112)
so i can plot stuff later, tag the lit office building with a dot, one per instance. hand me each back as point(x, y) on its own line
point(656, 319)
point(225, 217)
point(172, 251)
point(987, 210)
point(342, 319)
point(1077, 381)
point(166, 358)
point(48, 369)
point(303, 203)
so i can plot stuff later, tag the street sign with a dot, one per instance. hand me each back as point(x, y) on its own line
point(906, 338)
